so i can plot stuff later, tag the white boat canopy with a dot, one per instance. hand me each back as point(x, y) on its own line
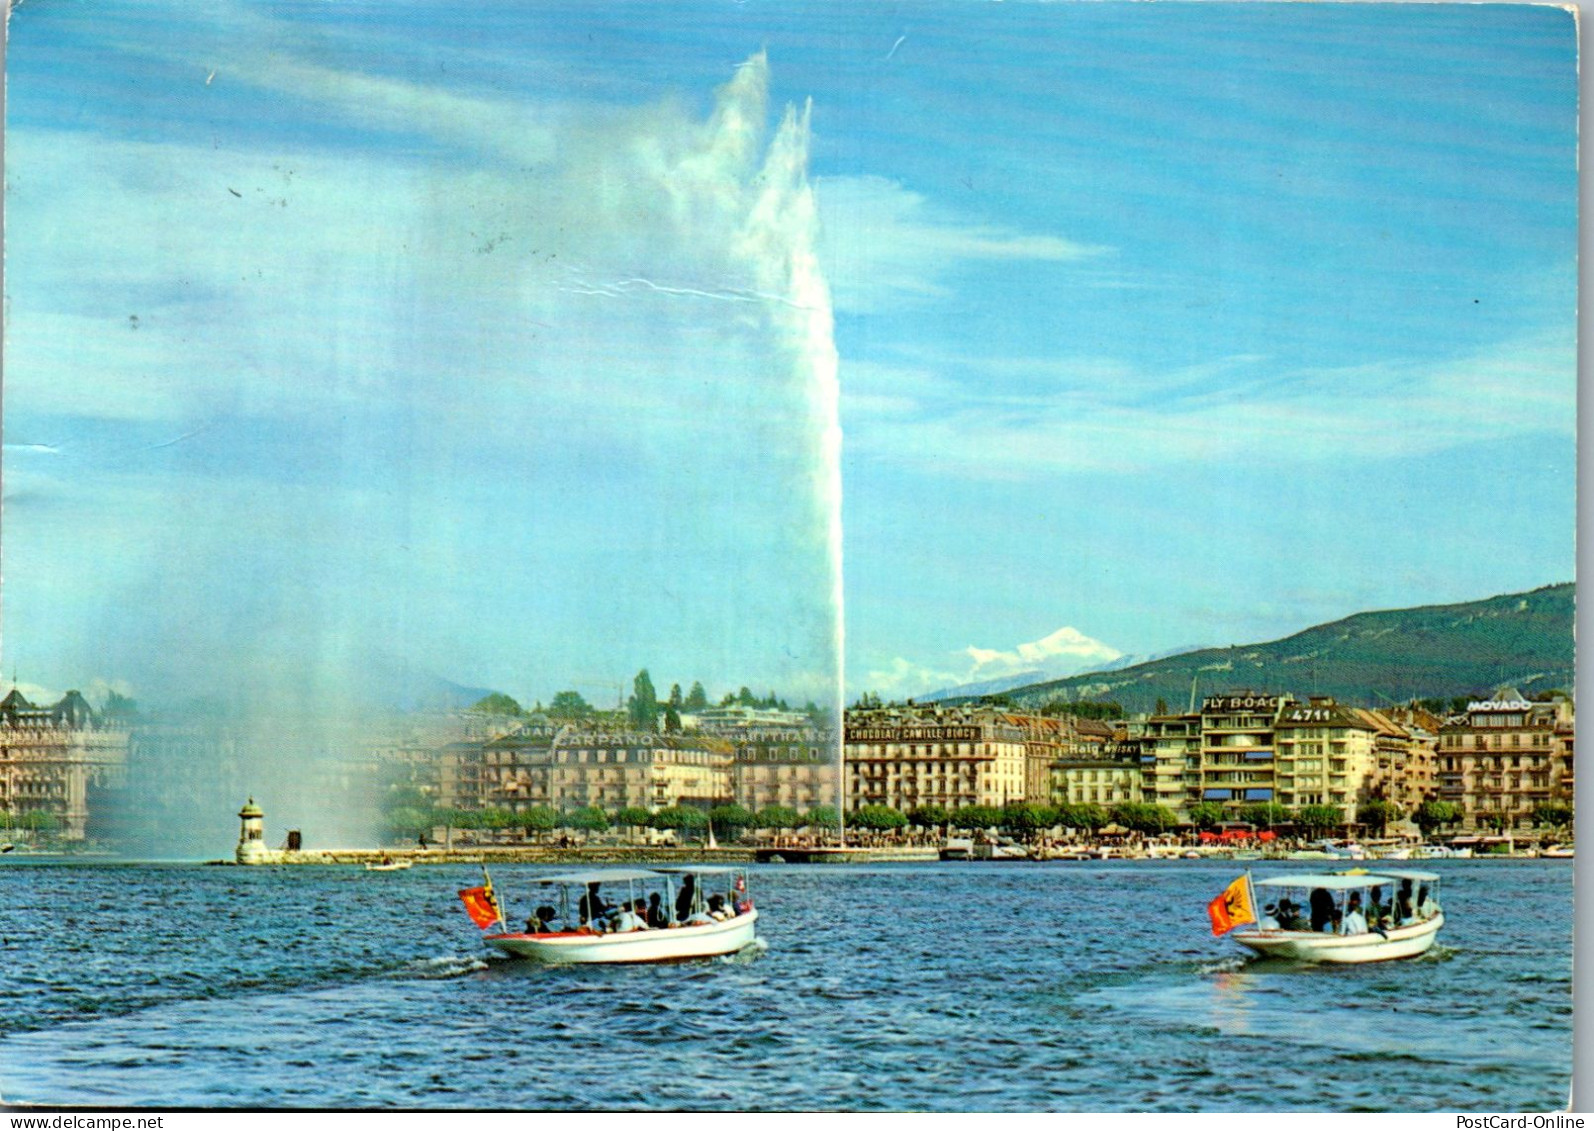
point(701, 869)
point(1335, 881)
point(602, 876)
point(1406, 874)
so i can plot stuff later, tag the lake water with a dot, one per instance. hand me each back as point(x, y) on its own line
point(1060, 986)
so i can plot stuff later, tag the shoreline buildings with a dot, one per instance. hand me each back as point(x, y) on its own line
point(1503, 762)
point(54, 759)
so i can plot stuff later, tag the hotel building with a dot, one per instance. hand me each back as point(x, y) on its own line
point(52, 757)
point(1504, 757)
point(954, 757)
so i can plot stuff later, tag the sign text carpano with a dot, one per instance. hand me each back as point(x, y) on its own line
point(913, 734)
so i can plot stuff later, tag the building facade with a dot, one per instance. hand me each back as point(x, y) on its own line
point(53, 758)
point(1237, 746)
point(954, 757)
point(1504, 757)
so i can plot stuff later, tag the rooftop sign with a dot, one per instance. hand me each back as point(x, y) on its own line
point(1500, 705)
point(913, 734)
point(1243, 702)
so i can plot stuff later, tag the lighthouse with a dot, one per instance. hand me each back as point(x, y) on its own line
point(251, 835)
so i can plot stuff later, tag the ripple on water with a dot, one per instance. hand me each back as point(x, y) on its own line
point(969, 1003)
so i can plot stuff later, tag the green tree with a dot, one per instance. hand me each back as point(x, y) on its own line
point(822, 817)
point(1162, 706)
point(537, 820)
point(1144, 817)
point(407, 822)
point(878, 818)
point(746, 698)
point(672, 720)
point(675, 699)
point(1025, 819)
point(589, 818)
point(633, 817)
point(682, 818)
point(1431, 816)
point(569, 706)
point(1315, 820)
point(1263, 814)
point(1088, 816)
point(730, 819)
point(455, 818)
point(1206, 815)
point(776, 817)
point(977, 817)
point(1379, 814)
point(1553, 814)
point(643, 706)
point(496, 819)
point(930, 816)
point(497, 704)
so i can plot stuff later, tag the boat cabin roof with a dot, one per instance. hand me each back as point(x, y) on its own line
point(1335, 881)
point(701, 869)
point(602, 876)
point(1407, 874)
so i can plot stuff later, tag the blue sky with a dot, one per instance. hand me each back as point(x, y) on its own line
point(505, 341)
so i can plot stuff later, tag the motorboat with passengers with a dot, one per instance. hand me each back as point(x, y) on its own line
point(1336, 917)
point(611, 915)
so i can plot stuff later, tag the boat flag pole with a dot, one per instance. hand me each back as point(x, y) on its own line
point(498, 905)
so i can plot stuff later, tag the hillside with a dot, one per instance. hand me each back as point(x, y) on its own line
point(1521, 639)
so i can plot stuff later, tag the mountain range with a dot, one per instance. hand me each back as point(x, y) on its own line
point(1372, 659)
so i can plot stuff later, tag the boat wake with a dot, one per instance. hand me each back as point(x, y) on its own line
point(1230, 965)
point(749, 952)
point(441, 967)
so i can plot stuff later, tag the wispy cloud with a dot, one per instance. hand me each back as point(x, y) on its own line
point(1020, 417)
point(885, 244)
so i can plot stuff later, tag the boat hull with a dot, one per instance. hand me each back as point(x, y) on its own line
point(671, 944)
point(1308, 946)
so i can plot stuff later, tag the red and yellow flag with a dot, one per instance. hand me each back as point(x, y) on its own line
point(1233, 907)
point(481, 905)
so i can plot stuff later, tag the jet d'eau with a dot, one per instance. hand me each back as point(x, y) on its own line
point(590, 411)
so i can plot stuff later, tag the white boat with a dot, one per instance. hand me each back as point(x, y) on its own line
point(390, 865)
point(1411, 921)
point(586, 930)
point(1559, 852)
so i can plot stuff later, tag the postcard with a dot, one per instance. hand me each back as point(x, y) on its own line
point(789, 556)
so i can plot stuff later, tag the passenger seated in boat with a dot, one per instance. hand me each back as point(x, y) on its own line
point(592, 907)
point(1403, 905)
point(639, 908)
point(1322, 908)
point(1290, 916)
point(1334, 920)
point(716, 907)
point(683, 901)
point(545, 920)
point(656, 916)
point(1354, 923)
point(624, 920)
point(1270, 920)
point(1427, 907)
point(1377, 910)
